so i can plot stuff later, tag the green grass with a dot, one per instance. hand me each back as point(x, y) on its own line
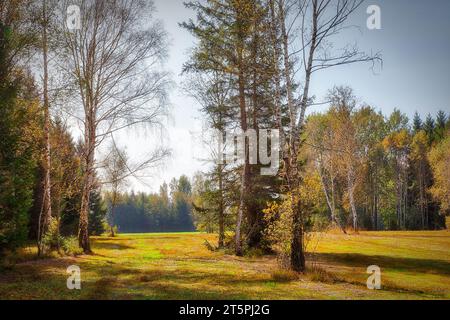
point(414, 265)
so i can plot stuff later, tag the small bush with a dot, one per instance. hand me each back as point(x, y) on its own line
point(70, 246)
point(53, 241)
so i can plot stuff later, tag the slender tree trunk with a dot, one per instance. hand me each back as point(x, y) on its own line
point(254, 219)
point(47, 199)
point(112, 221)
point(113, 206)
point(246, 167)
point(375, 200)
point(83, 231)
point(351, 189)
point(330, 202)
point(308, 69)
point(221, 211)
point(421, 199)
point(238, 240)
point(276, 69)
point(399, 196)
point(287, 67)
point(220, 176)
point(58, 222)
point(405, 202)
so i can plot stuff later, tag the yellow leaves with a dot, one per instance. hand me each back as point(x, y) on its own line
point(279, 215)
point(397, 140)
point(419, 145)
point(387, 142)
point(311, 189)
point(439, 158)
point(401, 139)
point(272, 209)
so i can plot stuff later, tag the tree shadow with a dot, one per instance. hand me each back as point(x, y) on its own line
point(174, 284)
point(110, 246)
point(401, 264)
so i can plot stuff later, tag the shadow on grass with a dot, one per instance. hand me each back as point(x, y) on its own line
point(401, 264)
point(39, 281)
point(175, 284)
point(100, 244)
point(418, 235)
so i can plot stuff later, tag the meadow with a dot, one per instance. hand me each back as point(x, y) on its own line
point(414, 265)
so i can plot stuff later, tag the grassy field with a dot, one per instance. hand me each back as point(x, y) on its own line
point(414, 265)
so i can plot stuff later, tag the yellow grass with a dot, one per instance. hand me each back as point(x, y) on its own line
point(414, 265)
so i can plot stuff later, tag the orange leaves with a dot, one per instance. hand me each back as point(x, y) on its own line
point(397, 141)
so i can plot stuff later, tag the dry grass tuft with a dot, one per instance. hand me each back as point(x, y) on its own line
point(282, 275)
point(319, 274)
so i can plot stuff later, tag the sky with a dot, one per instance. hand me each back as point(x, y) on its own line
point(414, 41)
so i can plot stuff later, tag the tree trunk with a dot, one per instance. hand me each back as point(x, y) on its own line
point(83, 231)
point(308, 70)
point(112, 221)
point(276, 70)
point(351, 189)
point(47, 203)
point(246, 168)
point(330, 202)
point(238, 240)
point(287, 67)
point(58, 223)
point(297, 241)
point(254, 219)
point(221, 210)
point(375, 200)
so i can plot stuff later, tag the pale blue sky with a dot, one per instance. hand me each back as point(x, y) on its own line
point(414, 41)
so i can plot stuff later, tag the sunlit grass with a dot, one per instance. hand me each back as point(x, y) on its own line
point(415, 265)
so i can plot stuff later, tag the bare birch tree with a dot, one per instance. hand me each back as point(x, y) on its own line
point(114, 60)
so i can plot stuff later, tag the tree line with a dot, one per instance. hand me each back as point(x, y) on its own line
point(374, 170)
point(170, 210)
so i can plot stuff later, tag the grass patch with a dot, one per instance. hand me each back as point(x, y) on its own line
point(414, 265)
point(281, 275)
point(152, 255)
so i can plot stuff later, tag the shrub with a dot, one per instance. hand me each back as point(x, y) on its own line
point(53, 241)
